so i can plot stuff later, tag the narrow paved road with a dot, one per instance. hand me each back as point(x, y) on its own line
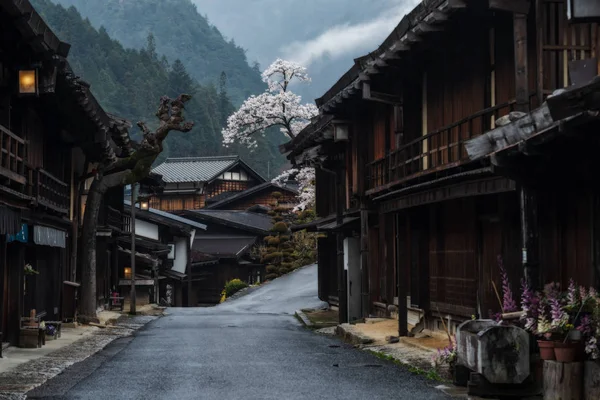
point(249, 348)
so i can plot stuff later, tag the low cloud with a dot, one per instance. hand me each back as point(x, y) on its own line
point(346, 39)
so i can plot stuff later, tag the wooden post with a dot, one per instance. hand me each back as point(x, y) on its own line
point(342, 295)
point(132, 297)
point(364, 258)
point(529, 236)
point(402, 284)
point(521, 69)
point(189, 271)
point(563, 381)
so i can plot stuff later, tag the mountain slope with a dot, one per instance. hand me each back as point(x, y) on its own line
point(129, 83)
point(181, 32)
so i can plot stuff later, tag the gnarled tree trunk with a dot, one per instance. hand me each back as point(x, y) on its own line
point(124, 172)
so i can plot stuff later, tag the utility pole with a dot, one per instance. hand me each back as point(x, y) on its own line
point(134, 195)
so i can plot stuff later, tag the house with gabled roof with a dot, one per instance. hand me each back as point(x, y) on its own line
point(224, 251)
point(192, 181)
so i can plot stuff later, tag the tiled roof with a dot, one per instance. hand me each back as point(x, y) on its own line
point(167, 215)
point(199, 169)
point(248, 221)
point(224, 247)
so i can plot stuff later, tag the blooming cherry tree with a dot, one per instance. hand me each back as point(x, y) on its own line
point(306, 180)
point(276, 107)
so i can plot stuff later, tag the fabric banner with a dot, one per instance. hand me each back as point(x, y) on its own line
point(21, 236)
point(46, 236)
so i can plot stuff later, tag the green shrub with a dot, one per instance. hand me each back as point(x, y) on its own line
point(272, 256)
point(271, 269)
point(234, 286)
point(270, 277)
point(273, 241)
point(280, 227)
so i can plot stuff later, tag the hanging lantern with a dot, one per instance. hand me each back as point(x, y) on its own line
point(144, 203)
point(341, 131)
point(28, 82)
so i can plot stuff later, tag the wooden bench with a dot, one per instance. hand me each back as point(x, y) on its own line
point(31, 332)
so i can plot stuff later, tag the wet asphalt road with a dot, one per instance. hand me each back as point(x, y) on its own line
point(249, 348)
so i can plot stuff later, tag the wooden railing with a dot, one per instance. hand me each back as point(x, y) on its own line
point(51, 192)
point(440, 149)
point(12, 156)
point(114, 218)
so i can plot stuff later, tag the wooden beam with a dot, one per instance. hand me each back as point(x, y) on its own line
point(452, 5)
point(521, 65)
point(410, 37)
point(514, 6)
point(424, 27)
point(399, 47)
point(435, 16)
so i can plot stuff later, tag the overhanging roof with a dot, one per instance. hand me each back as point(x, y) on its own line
point(200, 169)
point(260, 224)
point(158, 215)
point(224, 247)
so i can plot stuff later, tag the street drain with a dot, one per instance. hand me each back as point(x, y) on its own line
point(358, 365)
point(334, 346)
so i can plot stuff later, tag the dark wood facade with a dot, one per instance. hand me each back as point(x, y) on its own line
point(195, 191)
point(47, 138)
point(432, 220)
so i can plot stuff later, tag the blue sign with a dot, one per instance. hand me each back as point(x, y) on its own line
point(22, 236)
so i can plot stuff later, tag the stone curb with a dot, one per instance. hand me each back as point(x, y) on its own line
point(307, 322)
point(16, 383)
point(350, 335)
point(417, 345)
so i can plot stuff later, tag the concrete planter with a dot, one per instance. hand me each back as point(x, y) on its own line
point(591, 380)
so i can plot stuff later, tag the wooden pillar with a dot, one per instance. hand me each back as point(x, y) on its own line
point(189, 272)
point(530, 236)
point(364, 258)
point(342, 293)
point(521, 68)
point(595, 234)
point(401, 268)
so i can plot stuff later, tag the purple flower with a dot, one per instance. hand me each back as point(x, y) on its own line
point(559, 317)
point(572, 295)
point(585, 326)
point(530, 304)
point(509, 304)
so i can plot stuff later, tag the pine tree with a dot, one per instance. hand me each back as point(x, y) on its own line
point(151, 46)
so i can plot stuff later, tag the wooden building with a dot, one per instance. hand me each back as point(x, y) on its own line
point(259, 195)
point(163, 257)
point(51, 127)
point(417, 221)
point(192, 182)
point(224, 251)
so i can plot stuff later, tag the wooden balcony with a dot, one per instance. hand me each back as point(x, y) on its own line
point(12, 156)
point(436, 151)
point(114, 219)
point(50, 191)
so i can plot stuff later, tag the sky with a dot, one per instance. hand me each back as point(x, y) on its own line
point(323, 35)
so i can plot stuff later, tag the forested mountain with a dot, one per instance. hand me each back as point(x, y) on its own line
point(182, 33)
point(130, 82)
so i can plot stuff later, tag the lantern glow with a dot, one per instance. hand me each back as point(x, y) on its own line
point(28, 82)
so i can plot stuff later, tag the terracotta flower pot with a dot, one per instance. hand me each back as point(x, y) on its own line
point(565, 352)
point(546, 349)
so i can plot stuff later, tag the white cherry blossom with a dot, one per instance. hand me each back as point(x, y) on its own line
point(278, 106)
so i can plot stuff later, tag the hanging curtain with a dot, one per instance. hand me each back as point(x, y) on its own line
point(46, 236)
